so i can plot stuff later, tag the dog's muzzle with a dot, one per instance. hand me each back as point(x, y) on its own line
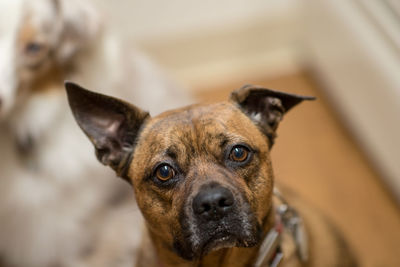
point(216, 218)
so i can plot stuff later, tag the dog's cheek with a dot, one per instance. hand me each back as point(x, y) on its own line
point(257, 185)
point(159, 212)
point(176, 236)
point(262, 191)
point(185, 236)
point(185, 233)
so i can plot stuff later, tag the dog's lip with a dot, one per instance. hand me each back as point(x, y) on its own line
point(219, 240)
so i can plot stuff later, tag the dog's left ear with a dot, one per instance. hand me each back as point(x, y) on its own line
point(266, 107)
point(112, 125)
point(80, 25)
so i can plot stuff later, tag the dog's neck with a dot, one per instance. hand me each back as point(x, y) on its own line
point(162, 255)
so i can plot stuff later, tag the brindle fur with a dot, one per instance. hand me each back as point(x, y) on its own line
point(196, 141)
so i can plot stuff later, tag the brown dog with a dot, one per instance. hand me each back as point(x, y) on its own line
point(203, 180)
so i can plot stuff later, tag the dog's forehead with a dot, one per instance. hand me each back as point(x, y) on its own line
point(197, 120)
point(198, 128)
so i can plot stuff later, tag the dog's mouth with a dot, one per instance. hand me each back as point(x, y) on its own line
point(225, 240)
point(218, 241)
point(218, 237)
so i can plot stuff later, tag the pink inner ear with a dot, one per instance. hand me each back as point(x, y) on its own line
point(112, 127)
point(108, 125)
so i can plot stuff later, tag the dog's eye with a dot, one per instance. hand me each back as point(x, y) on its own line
point(34, 48)
point(164, 172)
point(239, 153)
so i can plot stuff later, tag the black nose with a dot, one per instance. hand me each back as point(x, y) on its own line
point(213, 202)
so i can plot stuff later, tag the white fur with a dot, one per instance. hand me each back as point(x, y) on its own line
point(256, 116)
point(8, 30)
point(54, 198)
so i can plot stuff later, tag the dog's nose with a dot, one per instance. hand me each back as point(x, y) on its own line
point(213, 202)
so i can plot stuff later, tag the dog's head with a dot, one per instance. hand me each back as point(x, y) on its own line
point(37, 41)
point(202, 174)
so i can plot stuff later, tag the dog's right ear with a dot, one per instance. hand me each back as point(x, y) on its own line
point(112, 125)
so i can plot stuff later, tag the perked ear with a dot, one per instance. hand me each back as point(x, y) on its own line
point(266, 107)
point(112, 125)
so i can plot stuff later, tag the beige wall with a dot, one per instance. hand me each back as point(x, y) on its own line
point(354, 48)
point(207, 43)
point(146, 20)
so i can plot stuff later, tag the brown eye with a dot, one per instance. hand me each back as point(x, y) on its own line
point(164, 172)
point(239, 153)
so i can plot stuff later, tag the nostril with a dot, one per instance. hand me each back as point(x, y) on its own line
point(206, 207)
point(225, 202)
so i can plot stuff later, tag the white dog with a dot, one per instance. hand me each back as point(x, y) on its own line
point(57, 206)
